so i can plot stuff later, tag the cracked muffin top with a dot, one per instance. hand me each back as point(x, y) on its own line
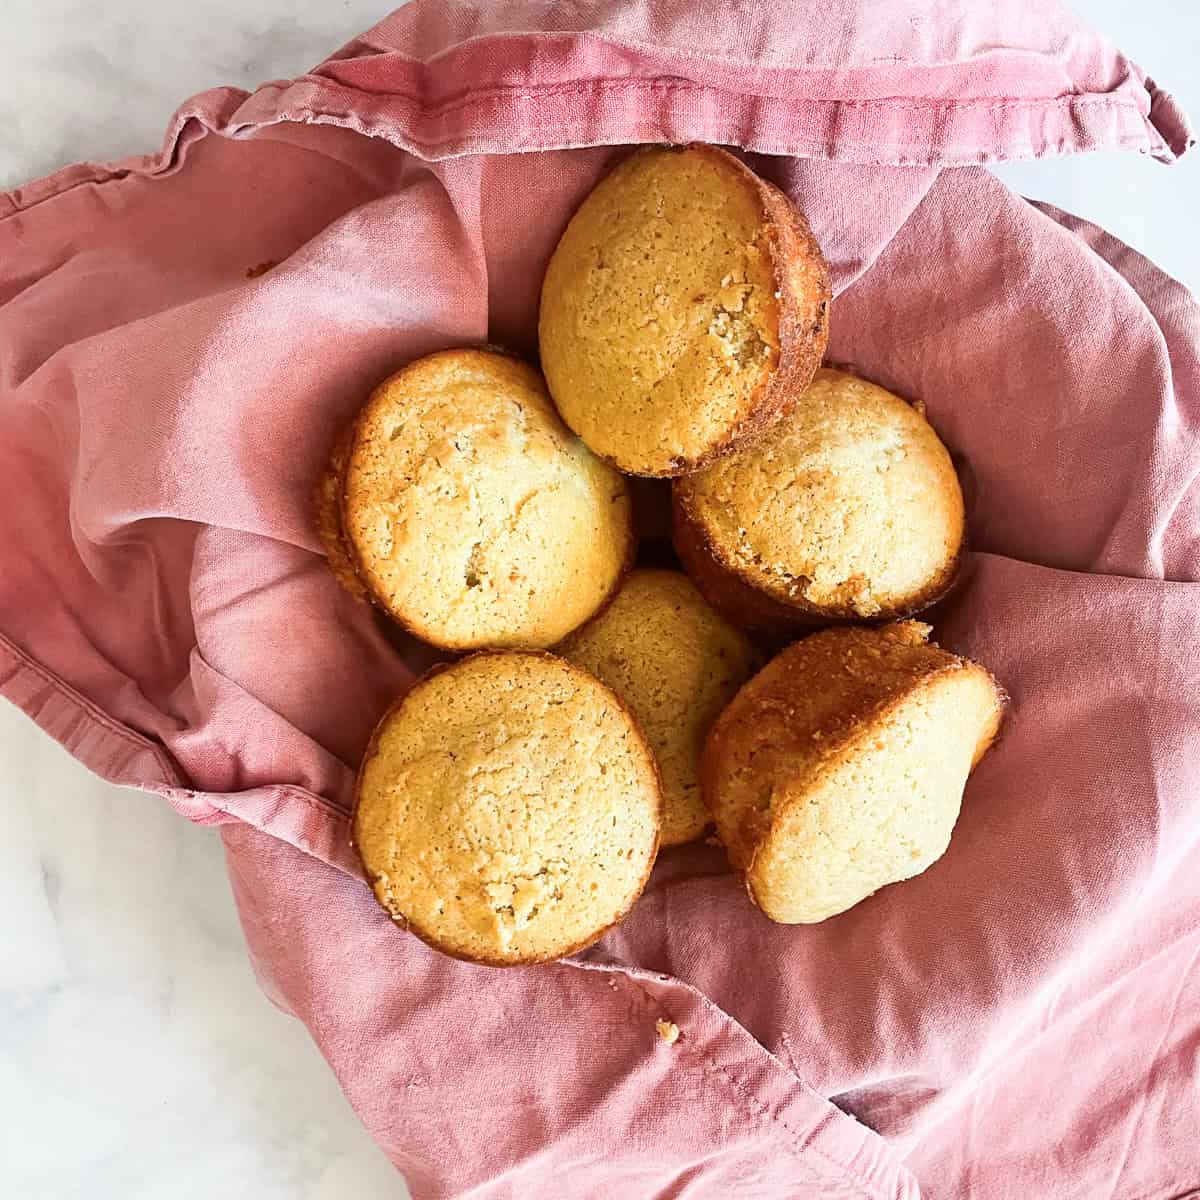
point(683, 310)
point(472, 515)
point(848, 509)
point(508, 809)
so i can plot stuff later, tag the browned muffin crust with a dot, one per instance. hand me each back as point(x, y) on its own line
point(848, 509)
point(795, 335)
point(811, 756)
point(327, 500)
point(579, 504)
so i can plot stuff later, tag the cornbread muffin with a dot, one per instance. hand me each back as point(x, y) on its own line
point(508, 809)
point(472, 515)
point(683, 311)
point(840, 766)
point(676, 663)
point(848, 509)
point(328, 503)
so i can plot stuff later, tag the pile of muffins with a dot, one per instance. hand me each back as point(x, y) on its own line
point(510, 806)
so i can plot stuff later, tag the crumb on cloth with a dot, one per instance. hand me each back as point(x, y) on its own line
point(667, 1030)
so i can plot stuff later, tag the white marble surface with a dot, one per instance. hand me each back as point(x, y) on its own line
point(138, 1060)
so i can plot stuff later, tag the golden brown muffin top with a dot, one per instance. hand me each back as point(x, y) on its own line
point(849, 505)
point(474, 516)
point(676, 663)
point(660, 326)
point(508, 809)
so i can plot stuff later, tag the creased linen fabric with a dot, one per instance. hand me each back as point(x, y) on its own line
point(181, 336)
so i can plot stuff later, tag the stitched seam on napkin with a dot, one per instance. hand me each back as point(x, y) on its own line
point(672, 83)
point(294, 790)
point(140, 742)
point(353, 99)
point(563, 136)
point(754, 1106)
point(91, 710)
point(152, 165)
point(785, 1044)
point(959, 154)
point(652, 1006)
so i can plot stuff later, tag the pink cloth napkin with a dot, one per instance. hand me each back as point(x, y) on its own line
point(182, 335)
